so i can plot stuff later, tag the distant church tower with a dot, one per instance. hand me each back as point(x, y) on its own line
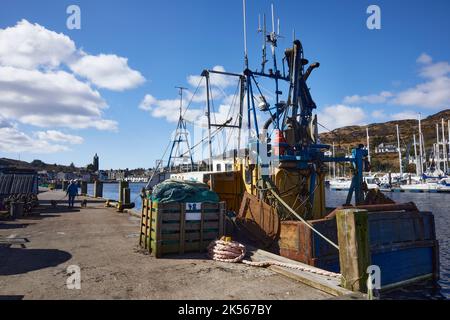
point(95, 163)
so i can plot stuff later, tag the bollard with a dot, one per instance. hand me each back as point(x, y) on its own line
point(84, 188)
point(126, 196)
point(122, 184)
point(16, 210)
point(98, 189)
point(354, 248)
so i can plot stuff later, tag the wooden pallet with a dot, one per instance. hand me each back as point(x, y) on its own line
point(180, 227)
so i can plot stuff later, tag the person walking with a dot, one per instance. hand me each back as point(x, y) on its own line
point(72, 192)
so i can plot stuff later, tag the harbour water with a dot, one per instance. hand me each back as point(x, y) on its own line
point(438, 203)
point(111, 191)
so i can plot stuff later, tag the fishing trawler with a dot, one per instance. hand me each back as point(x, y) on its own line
point(276, 187)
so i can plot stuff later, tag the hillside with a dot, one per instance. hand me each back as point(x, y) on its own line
point(36, 165)
point(348, 137)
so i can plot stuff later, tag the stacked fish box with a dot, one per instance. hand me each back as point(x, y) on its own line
point(179, 227)
point(18, 187)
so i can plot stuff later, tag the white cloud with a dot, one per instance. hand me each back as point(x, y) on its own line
point(433, 93)
point(340, 115)
point(53, 98)
point(13, 140)
point(108, 71)
point(371, 99)
point(219, 85)
point(29, 46)
point(5, 124)
point(379, 114)
point(147, 102)
point(215, 79)
point(424, 59)
point(407, 114)
point(169, 109)
point(435, 70)
point(41, 81)
point(58, 136)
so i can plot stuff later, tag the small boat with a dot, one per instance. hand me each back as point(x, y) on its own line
point(343, 184)
point(340, 184)
point(420, 187)
point(443, 185)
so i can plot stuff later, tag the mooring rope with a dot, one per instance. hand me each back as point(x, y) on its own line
point(234, 252)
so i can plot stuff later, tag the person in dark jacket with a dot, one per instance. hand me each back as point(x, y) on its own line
point(72, 192)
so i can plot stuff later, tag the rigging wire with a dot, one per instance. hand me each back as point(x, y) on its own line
point(214, 115)
point(337, 135)
point(159, 163)
point(192, 97)
point(230, 112)
point(202, 140)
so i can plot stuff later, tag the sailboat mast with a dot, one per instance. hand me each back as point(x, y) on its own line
point(437, 157)
point(399, 151)
point(448, 141)
point(368, 143)
point(444, 147)
point(415, 155)
point(420, 148)
point(334, 164)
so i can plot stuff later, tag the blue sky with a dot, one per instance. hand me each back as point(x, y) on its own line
point(365, 75)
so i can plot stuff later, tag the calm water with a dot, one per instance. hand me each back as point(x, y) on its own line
point(438, 203)
point(111, 191)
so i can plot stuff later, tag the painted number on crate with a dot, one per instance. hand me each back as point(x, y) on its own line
point(193, 206)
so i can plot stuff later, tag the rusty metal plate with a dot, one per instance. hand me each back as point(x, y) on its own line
point(259, 219)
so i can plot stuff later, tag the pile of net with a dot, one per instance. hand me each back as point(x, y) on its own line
point(172, 190)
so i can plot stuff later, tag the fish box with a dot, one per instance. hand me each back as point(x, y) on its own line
point(402, 243)
point(179, 227)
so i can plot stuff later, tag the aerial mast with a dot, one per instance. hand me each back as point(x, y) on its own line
point(273, 39)
point(263, 30)
point(244, 7)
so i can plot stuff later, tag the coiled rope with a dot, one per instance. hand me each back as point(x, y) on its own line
point(234, 252)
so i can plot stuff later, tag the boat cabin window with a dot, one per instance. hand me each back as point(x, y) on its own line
point(228, 167)
point(218, 167)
